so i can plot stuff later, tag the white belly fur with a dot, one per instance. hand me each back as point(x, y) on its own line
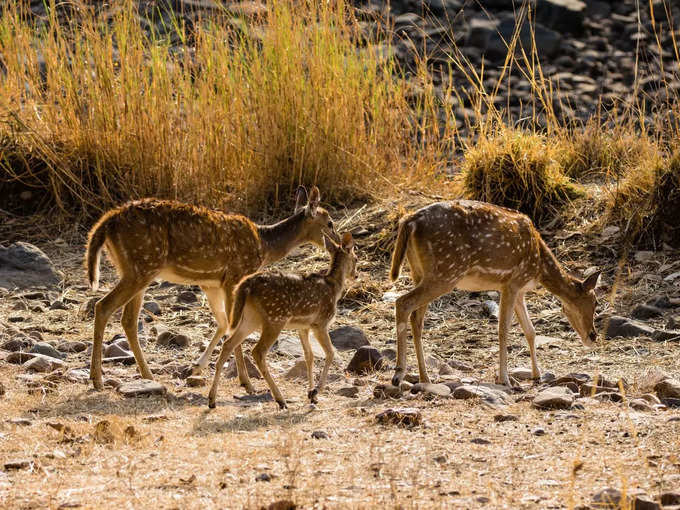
point(170, 276)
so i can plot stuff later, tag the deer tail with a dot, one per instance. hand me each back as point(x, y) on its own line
point(406, 228)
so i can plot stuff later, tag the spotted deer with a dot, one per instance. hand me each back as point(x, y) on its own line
point(274, 301)
point(153, 239)
point(477, 246)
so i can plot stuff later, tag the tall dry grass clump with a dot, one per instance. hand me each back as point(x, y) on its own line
point(99, 109)
point(519, 170)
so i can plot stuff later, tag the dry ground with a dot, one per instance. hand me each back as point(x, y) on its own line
point(171, 452)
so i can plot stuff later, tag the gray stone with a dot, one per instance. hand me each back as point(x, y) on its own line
point(291, 346)
point(407, 417)
point(348, 338)
point(186, 296)
point(72, 347)
point(669, 498)
point(561, 15)
point(17, 344)
point(141, 388)
point(348, 391)
point(41, 363)
point(195, 381)
point(58, 305)
point(382, 391)
point(16, 464)
point(46, 350)
point(23, 265)
point(460, 365)
point(116, 350)
point(230, 370)
point(668, 388)
point(297, 371)
point(470, 391)
point(437, 390)
point(626, 328)
point(661, 335)
point(500, 418)
point(490, 309)
point(521, 374)
point(644, 312)
point(555, 397)
point(319, 434)
point(169, 339)
point(639, 404)
point(19, 357)
point(122, 360)
point(152, 307)
point(366, 359)
point(2, 390)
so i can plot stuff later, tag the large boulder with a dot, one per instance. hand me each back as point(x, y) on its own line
point(348, 338)
point(23, 265)
point(561, 15)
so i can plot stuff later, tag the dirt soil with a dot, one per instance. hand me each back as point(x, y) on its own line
point(172, 452)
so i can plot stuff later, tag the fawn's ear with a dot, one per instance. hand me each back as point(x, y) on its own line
point(330, 246)
point(300, 198)
point(591, 282)
point(313, 202)
point(347, 241)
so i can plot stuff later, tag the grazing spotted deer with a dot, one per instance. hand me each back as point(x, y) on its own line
point(478, 246)
point(165, 240)
point(274, 301)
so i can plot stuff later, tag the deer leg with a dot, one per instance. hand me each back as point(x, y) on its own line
point(309, 360)
point(129, 323)
point(121, 294)
point(507, 303)
point(324, 340)
point(418, 297)
point(417, 321)
point(529, 333)
point(216, 300)
point(246, 327)
point(270, 333)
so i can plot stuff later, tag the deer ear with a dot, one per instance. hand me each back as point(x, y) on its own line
point(300, 198)
point(347, 241)
point(329, 245)
point(313, 202)
point(591, 282)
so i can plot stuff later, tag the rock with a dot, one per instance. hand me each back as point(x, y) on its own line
point(78, 375)
point(589, 390)
point(58, 305)
point(230, 370)
point(389, 353)
point(2, 390)
point(195, 381)
point(665, 335)
point(644, 312)
point(17, 464)
point(116, 350)
point(538, 431)
point(348, 338)
point(662, 301)
point(366, 359)
point(72, 347)
point(141, 388)
point(445, 369)
point(282, 504)
point(460, 365)
point(17, 344)
point(490, 309)
point(291, 346)
point(86, 309)
point(19, 358)
point(673, 403)
point(561, 15)
point(639, 404)
point(153, 307)
point(42, 363)
point(169, 339)
point(263, 477)
point(669, 498)
point(668, 388)
point(187, 297)
point(348, 391)
point(468, 391)
point(480, 32)
point(546, 39)
point(111, 382)
point(407, 417)
point(297, 371)
point(500, 418)
point(635, 500)
point(480, 440)
point(650, 398)
point(555, 397)
point(382, 391)
point(437, 390)
point(319, 434)
point(23, 265)
point(46, 350)
point(521, 374)
point(625, 328)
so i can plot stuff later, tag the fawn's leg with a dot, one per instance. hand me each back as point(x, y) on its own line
point(246, 326)
point(309, 359)
point(121, 294)
point(216, 300)
point(508, 298)
point(418, 297)
point(417, 321)
point(324, 340)
point(270, 333)
point(529, 332)
point(129, 323)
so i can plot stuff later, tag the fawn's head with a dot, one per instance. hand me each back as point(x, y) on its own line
point(580, 308)
point(316, 222)
point(343, 258)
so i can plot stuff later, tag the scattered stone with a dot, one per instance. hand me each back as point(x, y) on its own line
point(639, 404)
point(116, 350)
point(58, 305)
point(366, 359)
point(673, 403)
point(538, 431)
point(122, 360)
point(291, 346)
point(521, 374)
point(297, 371)
point(196, 381)
point(460, 365)
point(42, 363)
point(382, 391)
point(348, 338)
point(667, 388)
point(263, 477)
point(187, 297)
point(141, 388)
point(348, 391)
point(500, 418)
point(626, 328)
point(17, 344)
point(19, 358)
point(46, 350)
point(480, 440)
point(612, 498)
point(23, 422)
point(72, 347)
point(153, 418)
point(111, 382)
point(14, 465)
point(645, 312)
point(78, 375)
point(319, 434)
point(490, 309)
point(87, 308)
point(407, 417)
point(230, 370)
point(669, 498)
point(23, 265)
point(437, 390)
point(103, 432)
point(283, 504)
point(491, 396)
point(650, 398)
point(590, 390)
point(445, 369)
point(389, 353)
point(661, 335)
point(152, 307)
point(2, 390)
point(169, 339)
point(405, 386)
point(555, 397)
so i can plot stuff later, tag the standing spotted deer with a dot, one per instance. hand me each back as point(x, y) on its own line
point(478, 246)
point(274, 301)
point(152, 239)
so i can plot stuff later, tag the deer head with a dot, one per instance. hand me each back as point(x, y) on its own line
point(343, 258)
point(580, 308)
point(317, 222)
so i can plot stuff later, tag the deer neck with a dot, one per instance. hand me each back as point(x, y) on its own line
point(553, 277)
point(335, 278)
point(279, 239)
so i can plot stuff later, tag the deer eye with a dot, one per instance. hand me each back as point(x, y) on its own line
point(330, 224)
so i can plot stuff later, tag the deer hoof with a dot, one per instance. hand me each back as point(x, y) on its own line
point(398, 376)
point(312, 395)
point(282, 404)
